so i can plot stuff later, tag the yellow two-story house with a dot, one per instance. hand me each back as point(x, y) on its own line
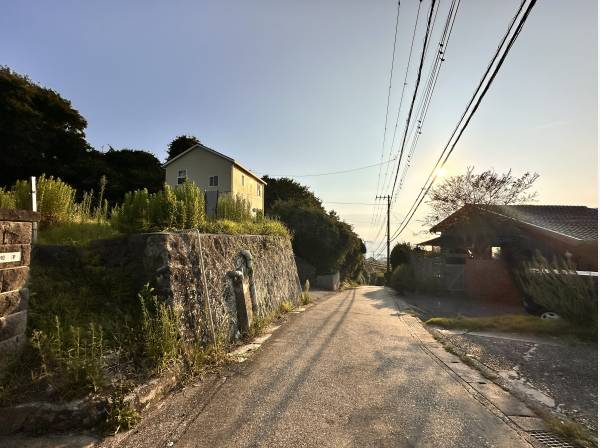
point(216, 174)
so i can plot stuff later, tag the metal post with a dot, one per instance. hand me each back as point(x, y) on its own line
point(34, 208)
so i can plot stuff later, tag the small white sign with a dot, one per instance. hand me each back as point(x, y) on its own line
point(10, 257)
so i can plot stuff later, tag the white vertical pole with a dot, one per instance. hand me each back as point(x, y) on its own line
point(34, 206)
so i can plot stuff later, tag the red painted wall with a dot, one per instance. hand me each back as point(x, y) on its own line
point(490, 280)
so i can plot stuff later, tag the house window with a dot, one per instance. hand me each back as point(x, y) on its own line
point(242, 180)
point(213, 181)
point(258, 189)
point(181, 176)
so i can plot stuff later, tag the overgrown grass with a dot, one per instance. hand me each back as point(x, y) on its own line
point(234, 208)
point(517, 324)
point(71, 360)
point(265, 226)
point(286, 306)
point(56, 201)
point(77, 234)
point(160, 333)
point(181, 207)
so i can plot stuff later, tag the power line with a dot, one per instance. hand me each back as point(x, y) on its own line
point(350, 170)
point(387, 107)
point(418, 81)
point(426, 98)
point(476, 98)
point(430, 89)
point(375, 216)
point(352, 203)
point(412, 42)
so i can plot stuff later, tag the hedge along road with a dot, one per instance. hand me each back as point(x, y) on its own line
point(347, 372)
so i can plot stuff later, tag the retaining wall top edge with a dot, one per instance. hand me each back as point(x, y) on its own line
point(9, 214)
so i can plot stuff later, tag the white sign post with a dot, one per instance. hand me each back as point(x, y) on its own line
point(34, 207)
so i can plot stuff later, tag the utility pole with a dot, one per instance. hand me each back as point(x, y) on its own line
point(389, 199)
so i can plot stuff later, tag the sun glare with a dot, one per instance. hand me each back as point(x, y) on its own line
point(440, 172)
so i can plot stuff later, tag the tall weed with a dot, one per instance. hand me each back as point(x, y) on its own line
point(161, 334)
point(234, 208)
point(71, 361)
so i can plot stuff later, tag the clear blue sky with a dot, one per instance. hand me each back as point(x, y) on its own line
point(295, 87)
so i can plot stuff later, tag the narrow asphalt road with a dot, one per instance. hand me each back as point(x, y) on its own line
point(347, 372)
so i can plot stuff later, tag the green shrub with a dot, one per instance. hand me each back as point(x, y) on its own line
point(403, 278)
point(191, 199)
point(234, 208)
point(7, 198)
point(56, 201)
point(181, 207)
point(557, 287)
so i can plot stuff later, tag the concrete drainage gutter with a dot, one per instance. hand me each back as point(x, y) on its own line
point(489, 388)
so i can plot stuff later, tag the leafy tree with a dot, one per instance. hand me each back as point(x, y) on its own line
point(400, 254)
point(322, 239)
point(316, 235)
point(353, 260)
point(180, 144)
point(485, 188)
point(40, 131)
point(285, 189)
point(130, 170)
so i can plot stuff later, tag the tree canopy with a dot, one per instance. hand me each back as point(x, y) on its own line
point(286, 189)
point(487, 188)
point(400, 254)
point(180, 144)
point(39, 130)
point(42, 133)
point(320, 238)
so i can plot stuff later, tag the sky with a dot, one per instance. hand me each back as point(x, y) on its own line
point(300, 87)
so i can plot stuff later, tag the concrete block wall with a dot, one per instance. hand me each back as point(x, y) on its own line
point(16, 228)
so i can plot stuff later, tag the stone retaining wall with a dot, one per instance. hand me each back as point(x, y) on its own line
point(16, 228)
point(170, 262)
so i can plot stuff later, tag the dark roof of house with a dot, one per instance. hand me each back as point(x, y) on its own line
point(571, 221)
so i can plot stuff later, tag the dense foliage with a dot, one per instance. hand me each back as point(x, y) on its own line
point(48, 135)
point(557, 287)
point(180, 144)
point(181, 207)
point(322, 239)
point(285, 189)
point(400, 254)
point(403, 278)
point(56, 202)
